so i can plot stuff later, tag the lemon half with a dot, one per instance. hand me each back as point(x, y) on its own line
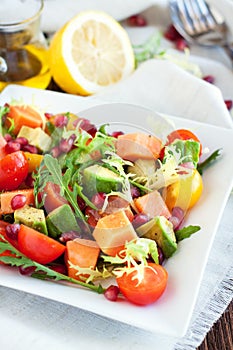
point(89, 53)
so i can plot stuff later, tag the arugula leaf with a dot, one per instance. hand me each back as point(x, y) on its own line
point(186, 232)
point(211, 159)
point(41, 271)
point(3, 111)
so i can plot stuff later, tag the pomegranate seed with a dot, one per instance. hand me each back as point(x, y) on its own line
point(22, 141)
point(66, 145)
point(175, 222)
point(59, 268)
point(92, 215)
point(55, 151)
point(7, 137)
point(29, 181)
point(12, 146)
point(81, 203)
point(48, 115)
point(60, 121)
point(30, 148)
point(135, 193)
point(209, 79)
point(229, 104)
point(98, 199)
point(137, 21)
point(161, 256)
point(86, 125)
point(117, 133)
point(177, 217)
point(12, 231)
point(69, 236)
point(139, 219)
point(172, 34)
point(111, 293)
point(181, 44)
point(18, 201)
point(27, 271)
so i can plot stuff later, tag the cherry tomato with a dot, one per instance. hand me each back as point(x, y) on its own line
point(13, 171)
point(149, 289)
point(3, 225)
point(37, 246)
point(185, 192)
point(183, 134)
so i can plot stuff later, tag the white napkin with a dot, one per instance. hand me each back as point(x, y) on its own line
point(37, 322)
point(58, 12)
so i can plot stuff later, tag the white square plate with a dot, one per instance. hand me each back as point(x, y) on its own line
point(172, 312)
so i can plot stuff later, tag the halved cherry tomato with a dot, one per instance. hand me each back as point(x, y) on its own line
point(37, 246)
point(13, 171)
point(147, 291)
point(3, 225)
point(183, 134)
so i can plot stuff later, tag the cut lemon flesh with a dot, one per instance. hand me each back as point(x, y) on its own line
point(89, 53)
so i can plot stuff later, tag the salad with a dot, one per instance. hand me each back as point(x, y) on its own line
point(98, 209)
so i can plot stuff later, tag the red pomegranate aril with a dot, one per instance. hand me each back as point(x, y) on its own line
point(92, 215)
point(48, 115)
point(60, 121)
point(209, 79)
point(7, 137)
point(229, 104)
point(30, 148)
point(175, 222)
point(81, 203)
point(172, 34)
point(12, 231)
point(26, 271)
point(22, 141)
point(59, 268)
point(135, 193)
point(98, 199)
point(29, 181)
point(12, 146)
point(111, 293)
point(86, 125)
point(137, 21)
point(181, 44)
point(161, 256)
point(66, 145)
point(177, 217)
point(55, 151)
point(18, 201)
point(116, 134)
point(140, 219)
point(69, 236)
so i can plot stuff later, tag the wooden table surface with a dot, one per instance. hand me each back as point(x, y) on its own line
point(220, 337)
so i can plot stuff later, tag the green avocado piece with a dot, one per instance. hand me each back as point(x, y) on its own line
point(31, 217)
point(99, 179)
point(61, 220)
point(36, 137)
point(160, 230)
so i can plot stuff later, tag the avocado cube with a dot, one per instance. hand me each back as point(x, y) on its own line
point(61, 220)
point(99, 179)
point(31, 217)
point(160, 230)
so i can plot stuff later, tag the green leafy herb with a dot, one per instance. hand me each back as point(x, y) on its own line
point(3, 112)
point(209, 161)
point(186, 232)
point(150, 49)
point(41, 271)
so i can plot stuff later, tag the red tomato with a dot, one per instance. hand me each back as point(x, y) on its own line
point(37, 246)
point(183, 134)
point(13, 171)
point(3, 225)
point(149, 290)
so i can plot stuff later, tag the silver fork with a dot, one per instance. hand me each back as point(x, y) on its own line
point(199, 23)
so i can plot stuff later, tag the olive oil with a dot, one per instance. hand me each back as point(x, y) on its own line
point(27, 65)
